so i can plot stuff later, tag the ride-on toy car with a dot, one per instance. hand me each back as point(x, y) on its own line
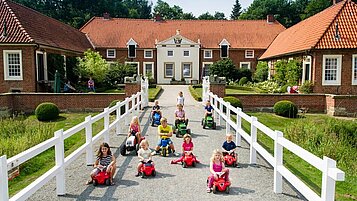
point(208, 122)
point(181, 129)
point(147, 169)
point(102, 177)
point(165, 147)
point(188, 160)
point(155, 119)
point(230, 159)
point(220, 184)
point(131, 144)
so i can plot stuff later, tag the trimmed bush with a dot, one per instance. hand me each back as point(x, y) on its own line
point(243, 81)
point(46, 111)
point(307, 87)
point(235, 102)
point(194, 94)
point(197, 86)
point(286, 108)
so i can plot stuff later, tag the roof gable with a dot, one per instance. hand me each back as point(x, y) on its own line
point(177, 39)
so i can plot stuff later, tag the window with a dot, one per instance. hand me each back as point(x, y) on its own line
point(244, 65)
point(111, 53)
point(249, 54)
point(306, 71)
point(132, 51)
point(170, 53)
point(12, 64)
point(169, 69)
point(207, 54)
point(148, 54)
point(224, 51)
point(331, 70)
point(354, 69)
point(205, 69)
point(186, 70)
point(149, 69)
point(135, 65)
point(186, 53)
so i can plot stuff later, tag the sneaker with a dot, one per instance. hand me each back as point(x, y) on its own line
point(155, 152)
point(138, 174)
point(173, 162)
point(176, 154)
point(208, 190)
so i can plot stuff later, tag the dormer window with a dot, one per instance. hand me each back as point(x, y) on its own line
point(131, 44)
point(111, 53)
point(224, 48)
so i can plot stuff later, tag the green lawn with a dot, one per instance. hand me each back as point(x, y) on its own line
point(154, 92)
point(311, 176)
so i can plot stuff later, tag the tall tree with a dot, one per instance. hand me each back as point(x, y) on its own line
point(315, 6)
point(219, 16)
point(206, 16)
point(188, 16)
point(236, 11)
point(168, 12)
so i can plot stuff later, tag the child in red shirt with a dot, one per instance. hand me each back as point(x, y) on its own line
point(187, 145)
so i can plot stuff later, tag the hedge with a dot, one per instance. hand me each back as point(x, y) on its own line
point(194, 94)
point(47, 111)
point(285, 108)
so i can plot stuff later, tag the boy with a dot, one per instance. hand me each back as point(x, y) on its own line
point(164, 130)
point(156, 109)
point(208, 109)
point(229, 145)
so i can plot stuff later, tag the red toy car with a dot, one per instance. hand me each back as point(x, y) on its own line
point(189, 160)
point(230, 159)
point(147, 169)
point(102, 178)
point(221, 184)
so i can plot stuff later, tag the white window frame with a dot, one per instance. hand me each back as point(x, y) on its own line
point(131, 42)
point(6, 65)
point(306, 60)
point(152, 52)
point(336, 82)
point(188, 53)
point(44, 63)
point(241, 64)
point(203, 66)
point(190, 76)
point(173, 70)
point(354, 66)
point(204, 54)
point(152, 68)
point(111, 57)
point(172, 53)
point(249, 56)
point(138, 63)
point(224, 42)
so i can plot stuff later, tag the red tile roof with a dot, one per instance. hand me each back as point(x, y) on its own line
point(25, 25)
point(116, 32)
point(318, 32)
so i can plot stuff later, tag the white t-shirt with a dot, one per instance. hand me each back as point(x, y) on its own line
point(180, 100)
point(145, 153)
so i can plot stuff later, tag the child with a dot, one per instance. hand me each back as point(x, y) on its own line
point(105, 161)
point(229, 145)
point(156, 109)
point(208, 109)
point(91, 84)
point(180, 99)
point(144, 154)
point(180, 115)
point(134, 128)
point(187, 145)
point(164, 130)
point(216, 165)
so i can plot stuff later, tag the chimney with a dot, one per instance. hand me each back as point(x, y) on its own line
point(106, 16)
point(158, 17)
point(270, 19)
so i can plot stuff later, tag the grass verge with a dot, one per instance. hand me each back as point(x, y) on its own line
point(196, 93)
point(154, 92)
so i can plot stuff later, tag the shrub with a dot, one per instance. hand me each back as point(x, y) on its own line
point(261, 72)
point(284, 88)
point(243, 81)
point(235, 102)
point(286, 108)
point(243, 72)
point(307, 87)
point(224, 68)
point(46, 111)
point(194, 94)
point(197, 86)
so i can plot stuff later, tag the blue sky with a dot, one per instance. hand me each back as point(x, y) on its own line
point(197, 7)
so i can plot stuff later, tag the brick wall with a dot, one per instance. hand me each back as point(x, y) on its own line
point(132, 88)
point(28, 102)
point(265, 102)
point(218, 89)
point(341, 105)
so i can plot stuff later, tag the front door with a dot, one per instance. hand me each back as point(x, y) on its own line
point(41, 66)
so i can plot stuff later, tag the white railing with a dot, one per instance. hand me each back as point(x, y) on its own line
point(132, 104)
point(330, 174)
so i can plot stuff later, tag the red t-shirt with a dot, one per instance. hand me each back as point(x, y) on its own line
point(187, 146)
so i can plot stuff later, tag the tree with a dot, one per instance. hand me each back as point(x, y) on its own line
point(188, 16)
point(223, 68)
point(261, 72)
point(206, 16)
point(116, 74)
point(168, 12)
point(315, 6)
point(236, 11)
point(293, 72)
point(92, 64)
point(219, 16)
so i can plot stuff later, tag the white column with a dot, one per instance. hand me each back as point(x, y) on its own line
point(239, 126)
point(328, 184)
point(228, 114)
point(127, 111)
point(118, 111)
point(89, 149)
point(221, 111)
point(138, 105)
point(278, 156)
point(59, 155)
point(4, 187)
point(253, 135)
point(106, 125)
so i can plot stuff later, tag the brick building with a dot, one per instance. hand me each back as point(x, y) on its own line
point(327, 45)
point(179, 49)
point(27, 37)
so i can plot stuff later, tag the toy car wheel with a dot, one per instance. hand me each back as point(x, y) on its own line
point(143, 175)
point(136, 149)
point(235, 164)
point(123, 149)
point(227, 190)
point(177, 135)
point(107, 182)
point(202, 122)
point(153, 173)
point(188, 131)
point(214, 189)
point(184, 165)
point(95, 183)
point(193, 164)
point(164, 153)
point(214, 125)
point(152, 123)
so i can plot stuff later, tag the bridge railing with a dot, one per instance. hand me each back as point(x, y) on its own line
point(330, 174)
point(131, 104)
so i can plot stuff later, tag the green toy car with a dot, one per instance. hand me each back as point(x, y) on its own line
point(208, 122)
point(181, 129)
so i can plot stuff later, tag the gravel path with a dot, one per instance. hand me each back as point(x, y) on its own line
point(172, 181)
